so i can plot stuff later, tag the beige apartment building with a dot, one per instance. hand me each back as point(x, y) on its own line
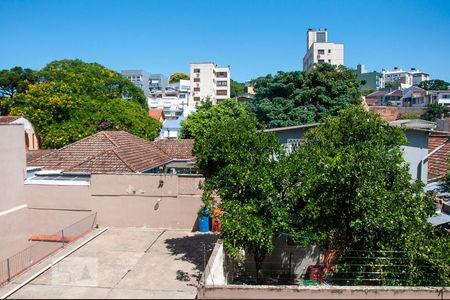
point(319, 50)
point(209, 81)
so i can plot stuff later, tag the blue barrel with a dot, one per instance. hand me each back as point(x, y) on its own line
point(203, 223)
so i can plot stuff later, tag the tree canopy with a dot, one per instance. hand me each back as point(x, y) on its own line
point(207, 116)
point(13, 81)
point(294, 98)
point(175, 77)
point(73, 99)
point(435, 111)
point(355, 194)
point(236, 88)
point(435, 84)
point(236, 160)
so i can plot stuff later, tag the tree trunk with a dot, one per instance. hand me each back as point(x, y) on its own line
point(259, 259)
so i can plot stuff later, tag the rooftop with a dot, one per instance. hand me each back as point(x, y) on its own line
point(112, 152)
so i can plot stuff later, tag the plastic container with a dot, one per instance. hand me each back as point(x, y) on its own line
point(203, 223)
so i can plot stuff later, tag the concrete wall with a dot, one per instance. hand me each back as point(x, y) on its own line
point(13, 209)
point(415, 152)
point(154, 200)
point(320, 292)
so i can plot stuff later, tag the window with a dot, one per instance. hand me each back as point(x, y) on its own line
point(329, 50)
point(196, 98)
point(445, 96)
point(292, 145)
point(221, 92)
point(196, 70)
point(321, 61)
point(222, 74)
point(321, 51)
point(329, 60)
point(196, 79)
point(222, 83)
point(196, 89)
point(321, 37)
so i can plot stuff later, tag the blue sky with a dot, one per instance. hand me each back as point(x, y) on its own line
point(254, 37)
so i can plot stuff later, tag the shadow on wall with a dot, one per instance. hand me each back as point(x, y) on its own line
point(194, 249)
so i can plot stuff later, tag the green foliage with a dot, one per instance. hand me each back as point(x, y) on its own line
point(236, 88)
point(354, 191)
point(175, 77)
point(435, 111)
point(367, 92)
point(390, 84)
point(13, 81)
point(293, 98)
point(207, 115)
point(74, 99)
point(447, 179)
point(435, 84)
point(236, 160)
point(408, 116)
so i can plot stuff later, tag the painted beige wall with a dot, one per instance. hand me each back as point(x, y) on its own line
point(153, 200)
point(13, 212)
point(12, 166)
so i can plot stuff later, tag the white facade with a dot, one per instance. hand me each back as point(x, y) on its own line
point(319, 50)
point(412, 77)
point(439, 96)
point(209, 81)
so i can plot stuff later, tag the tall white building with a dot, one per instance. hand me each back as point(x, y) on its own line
point(319, 50)
point(209, 81)
point(412, 77)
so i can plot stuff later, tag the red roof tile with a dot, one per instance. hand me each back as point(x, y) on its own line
point(105, 152)
point(156, 113)
point(438, 162)
point(177, 149)
point(8, 119)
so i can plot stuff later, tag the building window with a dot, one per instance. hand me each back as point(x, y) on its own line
point(196, 98)
point(196, 79)
point(329, 60)
point(222, 74)
point(329, 50)
point(196, 89)
point(222, 83)
point(321, 51)
point(196, 70)
point(221, 92)
point(321, 61)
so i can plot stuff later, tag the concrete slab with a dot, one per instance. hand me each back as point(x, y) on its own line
point(37, 291)
point(127, 263)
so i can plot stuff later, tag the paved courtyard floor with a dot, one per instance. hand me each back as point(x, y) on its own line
point(124, 263)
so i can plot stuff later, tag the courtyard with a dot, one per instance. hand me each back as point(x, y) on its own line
point(123, 263)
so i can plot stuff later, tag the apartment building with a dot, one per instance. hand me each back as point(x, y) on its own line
point(209, 81)
point(439, 96)
point(411, 77)
point(158, 82)
point(373, 80)
point(319, 50)
point(139, 78)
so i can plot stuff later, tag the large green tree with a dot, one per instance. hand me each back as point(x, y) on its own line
point(237, 162)
point(293, 98)
point(355, 194)
point(435, 84)
point(13, 81)
point(74, 99)
point(175, 77)
point(207, 115)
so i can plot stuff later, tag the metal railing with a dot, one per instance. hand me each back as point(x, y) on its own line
point(44, 247)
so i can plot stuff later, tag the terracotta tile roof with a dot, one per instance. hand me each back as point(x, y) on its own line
point(8, 119)
point(35, 154)
point(105, 152)
point(177, 149)
point(438, 162)
point(156, 113)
